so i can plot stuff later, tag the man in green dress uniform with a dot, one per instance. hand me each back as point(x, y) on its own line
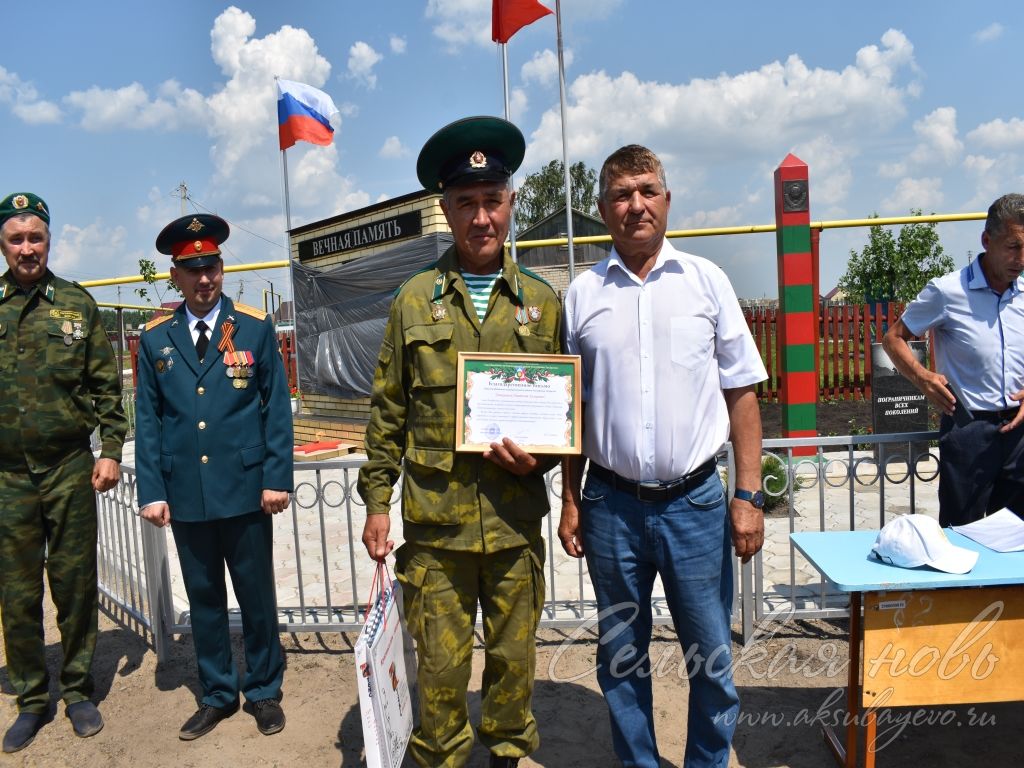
point(472, 522)
point(59, 381)
point(214, 457)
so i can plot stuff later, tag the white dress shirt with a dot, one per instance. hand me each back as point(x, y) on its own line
point(210, 320)
point(656, 356)
point(979, 334)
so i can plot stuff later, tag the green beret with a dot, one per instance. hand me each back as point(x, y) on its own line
point(193, 241)
point(23, 202)
point(470, 150)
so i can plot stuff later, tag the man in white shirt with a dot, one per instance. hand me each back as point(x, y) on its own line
point(669, 369)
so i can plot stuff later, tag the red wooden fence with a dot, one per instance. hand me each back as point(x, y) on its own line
point(846, 332)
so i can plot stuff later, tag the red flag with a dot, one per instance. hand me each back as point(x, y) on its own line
point(509, 16)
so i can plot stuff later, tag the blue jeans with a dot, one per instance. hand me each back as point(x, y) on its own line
point(687, 541)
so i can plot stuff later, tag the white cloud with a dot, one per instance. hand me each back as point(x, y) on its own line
point(725, 216)
point(457, 22)
point(999, 134)
point(925, 194)
point(939, 140)
point(392, 148)
point(732, 118)
point(978, 164)
point(315, 179)
point(130, 108)
point(518, 102)
point(543, 67)
point(24, 100)
point(992, 32)
point(829, 167)
point(397, 44)
point(938, 144)
point(95, 244)
point(361, 61)
point(243, 114)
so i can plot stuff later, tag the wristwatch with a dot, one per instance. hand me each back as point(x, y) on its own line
point(756, 498)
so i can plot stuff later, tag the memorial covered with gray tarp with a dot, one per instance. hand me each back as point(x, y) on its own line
point(340, 315)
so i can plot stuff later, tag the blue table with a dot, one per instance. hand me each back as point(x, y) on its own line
point(904, 605)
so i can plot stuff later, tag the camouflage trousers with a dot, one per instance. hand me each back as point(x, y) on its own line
point(441, 592)
point(48, 519)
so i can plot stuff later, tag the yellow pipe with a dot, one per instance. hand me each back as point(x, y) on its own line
point(745, 229)
point(166, 275)
point(144, 307)
point(751, 229)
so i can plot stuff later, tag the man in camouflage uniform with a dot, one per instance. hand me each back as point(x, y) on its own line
point(60, 380)
point(472, 522)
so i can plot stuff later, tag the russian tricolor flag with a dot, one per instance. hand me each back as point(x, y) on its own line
point(303, 114)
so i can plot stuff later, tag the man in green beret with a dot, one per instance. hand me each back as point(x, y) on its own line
point(471, 521)
point(60, 382)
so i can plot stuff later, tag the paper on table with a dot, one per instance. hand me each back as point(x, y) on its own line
point(1002, 531)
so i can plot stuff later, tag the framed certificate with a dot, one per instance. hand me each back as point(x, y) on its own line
point(534, 400)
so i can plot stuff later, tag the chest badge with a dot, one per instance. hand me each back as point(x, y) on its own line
point(438, 312)
point(533, 313)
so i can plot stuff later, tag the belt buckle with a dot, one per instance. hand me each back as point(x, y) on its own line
point(650, 489)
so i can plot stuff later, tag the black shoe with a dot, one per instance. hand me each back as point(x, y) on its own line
point(21, 733)
point(205, 720)
point(269, 716)
point(85, 718)
point(503, 762)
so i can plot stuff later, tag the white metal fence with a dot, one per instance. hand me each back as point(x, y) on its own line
point(323, 572)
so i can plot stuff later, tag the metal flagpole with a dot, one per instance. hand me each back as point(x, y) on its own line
point(508, 116)
point(291, 263)
point(565, 146)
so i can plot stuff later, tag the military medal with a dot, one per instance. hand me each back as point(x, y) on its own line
point(159, 364)
point(65, 328)
point(78, 334)
point(438, 312)
point(523, 329)
point(533, 313)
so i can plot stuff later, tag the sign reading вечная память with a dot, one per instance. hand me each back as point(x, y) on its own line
point(363, 236)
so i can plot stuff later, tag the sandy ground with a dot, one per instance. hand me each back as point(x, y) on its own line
point(790, 682)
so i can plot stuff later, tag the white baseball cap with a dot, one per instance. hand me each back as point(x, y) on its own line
point(914, 540)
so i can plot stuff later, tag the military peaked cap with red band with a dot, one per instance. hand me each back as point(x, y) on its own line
point(193, 241)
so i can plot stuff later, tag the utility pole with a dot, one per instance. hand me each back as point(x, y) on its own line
point(183, 191)
point(241, 289)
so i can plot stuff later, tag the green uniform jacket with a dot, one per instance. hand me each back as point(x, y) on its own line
point(58, 376)
point(449, 500)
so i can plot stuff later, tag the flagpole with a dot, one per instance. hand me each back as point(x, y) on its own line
point(508, 116)
point(288, 251)
point(565, 146)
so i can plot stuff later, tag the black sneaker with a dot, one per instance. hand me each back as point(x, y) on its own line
point(85, 718)
point(205, 720)
point(269, 716)
point(22, 731)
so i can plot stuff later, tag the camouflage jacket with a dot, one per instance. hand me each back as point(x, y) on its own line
point(58, 375)
point(456, 501)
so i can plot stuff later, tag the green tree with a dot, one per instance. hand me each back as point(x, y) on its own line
point(147, 270)
point(543, 192)
point(895, 267)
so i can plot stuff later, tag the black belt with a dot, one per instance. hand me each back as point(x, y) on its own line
point(655, 491)
point(996, 417)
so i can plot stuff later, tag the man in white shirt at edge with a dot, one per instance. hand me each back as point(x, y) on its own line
point(669, 369)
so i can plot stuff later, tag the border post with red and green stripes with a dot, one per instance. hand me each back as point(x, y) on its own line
point(798, 302)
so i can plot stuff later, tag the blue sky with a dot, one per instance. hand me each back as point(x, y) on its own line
point(107, 107)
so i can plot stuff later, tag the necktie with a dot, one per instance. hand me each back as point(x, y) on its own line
point(202, 340)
